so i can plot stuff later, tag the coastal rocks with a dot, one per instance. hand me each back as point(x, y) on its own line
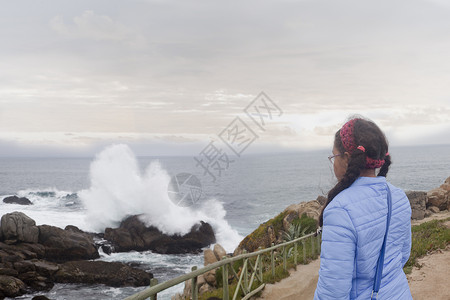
point(209, 257)
point(219, 251)
point(305, 214)
point(29, 257)
point(18, 227)
point(433, 209)
point(114, 274)
point(64, 245)
point(439, 197)
point(207, 281)
point(17, 200)
point(134, 235)
point(417, 201)
point(311, 208)
point(11, 286)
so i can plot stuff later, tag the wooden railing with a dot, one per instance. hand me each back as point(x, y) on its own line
point(256, 271)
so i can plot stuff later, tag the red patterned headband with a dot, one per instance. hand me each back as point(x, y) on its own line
point(348, 141)
point(347, 138)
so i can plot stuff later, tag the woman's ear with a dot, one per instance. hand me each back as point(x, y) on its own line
point(346, 158)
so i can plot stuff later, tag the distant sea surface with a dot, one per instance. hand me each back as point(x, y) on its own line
point(253, 189)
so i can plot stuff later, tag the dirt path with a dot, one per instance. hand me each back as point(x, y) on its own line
point(301, 284)
point(428, 282)
point(431, 280)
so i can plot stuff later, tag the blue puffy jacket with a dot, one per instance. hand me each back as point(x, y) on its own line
point(354, 225)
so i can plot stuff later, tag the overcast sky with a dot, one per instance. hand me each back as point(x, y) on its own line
point(166, 77)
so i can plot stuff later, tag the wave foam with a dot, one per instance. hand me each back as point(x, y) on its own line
point(118, 189)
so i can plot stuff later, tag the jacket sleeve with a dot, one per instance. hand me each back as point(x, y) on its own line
point(406, 249)
point(337, 255)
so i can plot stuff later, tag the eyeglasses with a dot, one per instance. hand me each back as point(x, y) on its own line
point(331, 157)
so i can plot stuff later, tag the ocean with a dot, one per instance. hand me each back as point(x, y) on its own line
point(98, 192)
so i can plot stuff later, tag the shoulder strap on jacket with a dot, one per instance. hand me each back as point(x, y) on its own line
point(379, 268)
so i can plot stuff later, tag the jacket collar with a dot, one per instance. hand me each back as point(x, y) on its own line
point(369, 180)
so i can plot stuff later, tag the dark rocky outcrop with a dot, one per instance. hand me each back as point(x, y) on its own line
point(29, 256)
point(134, 235)
point(100, 272)
point(418, 202)
point(18, 227)
point(11, 286)
point(17, 200)
point(64, 245)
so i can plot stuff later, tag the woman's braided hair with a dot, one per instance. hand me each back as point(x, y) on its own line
point(373, 153)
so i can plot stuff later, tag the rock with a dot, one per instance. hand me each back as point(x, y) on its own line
point(322, 200)
point(74, 229)
point(11, 286)
point(134, 235)
point(311, 208)
point(209, 257)
point(272, 235)
point(114, 274)
point(18, 227)
point(30, 251)
point(45, 268)
point(210, 277)
point(417, 201)
point(433, 209)
point(36, 281)
point(219, 252)
point(428, 213)
point(24, 266)
point(9, 272)
point(177, 296)
point(439, 197)
point(187, 289)
point(201, 280)
point(287, 220)
point(64, 245)
point(17, 200)
point(204, 288)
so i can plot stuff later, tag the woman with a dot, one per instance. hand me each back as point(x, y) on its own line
point(354, 220)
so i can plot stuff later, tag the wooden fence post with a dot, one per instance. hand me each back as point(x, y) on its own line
point(304, 251)
point(295, 255)
point(225, 281)
point(272, 261)
point(194, 288)
point(153, 282)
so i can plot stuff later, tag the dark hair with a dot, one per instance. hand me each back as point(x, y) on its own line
point(367, 134)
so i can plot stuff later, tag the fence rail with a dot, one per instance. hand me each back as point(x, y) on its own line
point(226, 265)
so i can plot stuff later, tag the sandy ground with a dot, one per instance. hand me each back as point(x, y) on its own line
point(301, 284)
point(431, 281)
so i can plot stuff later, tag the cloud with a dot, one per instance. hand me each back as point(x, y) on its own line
point(188, 68)
point(95, 27)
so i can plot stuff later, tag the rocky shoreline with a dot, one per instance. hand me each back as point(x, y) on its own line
point(34, 258)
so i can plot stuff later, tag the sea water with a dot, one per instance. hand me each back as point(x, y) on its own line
point(95, 193)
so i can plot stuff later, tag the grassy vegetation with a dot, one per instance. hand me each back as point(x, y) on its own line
point(259, 237)
point(427, 237)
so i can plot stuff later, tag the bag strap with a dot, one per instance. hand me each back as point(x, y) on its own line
point(380, 262)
